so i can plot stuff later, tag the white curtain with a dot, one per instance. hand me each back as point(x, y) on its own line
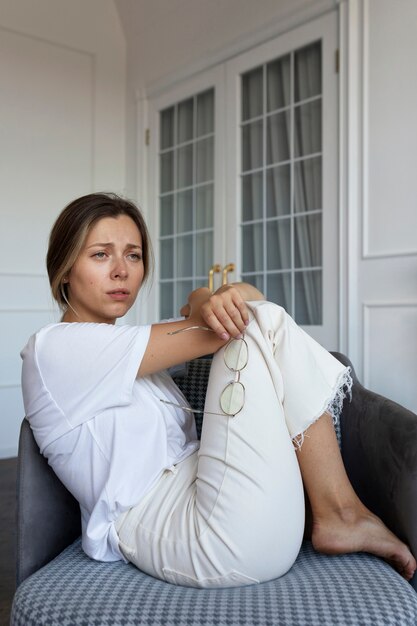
point(306, 135)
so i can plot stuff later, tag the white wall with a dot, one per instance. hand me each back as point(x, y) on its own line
point(62, 117)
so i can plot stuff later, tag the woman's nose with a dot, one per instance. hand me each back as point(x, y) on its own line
point(119, 270)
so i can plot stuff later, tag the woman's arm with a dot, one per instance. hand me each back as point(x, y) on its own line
point(224, 312)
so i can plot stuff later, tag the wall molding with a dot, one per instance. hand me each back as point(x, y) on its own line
point(366, 252)
point(366, 321)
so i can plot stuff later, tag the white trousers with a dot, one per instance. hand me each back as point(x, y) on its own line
point(233, 512)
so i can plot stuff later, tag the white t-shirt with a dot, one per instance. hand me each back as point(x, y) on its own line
point(105, 432)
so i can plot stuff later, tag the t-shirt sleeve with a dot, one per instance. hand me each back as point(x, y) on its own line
point(88, 368)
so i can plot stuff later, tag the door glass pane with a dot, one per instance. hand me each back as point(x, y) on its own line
point(166, 214)
point(166, 293)
point(252, 246)
point(252, 197)
point(307, 238)
point(204, 259)
point(185, 256)
point(185, 166)
point(307, 62)
point(278, 246)
point(205, 113)
point(283, 144)
point(185, 211)
point(307, 185)
point(252, 94)
point(252, 146)
point(167, 258)
point(279, 83)
point(278, 191)
point(308, 297)
point(167, 171)
point(204, 206)
point(185, 120)
point(257, 280)
point(167, 128)
point(205, 160)
point(182, 288)
point(307, 129)
point(278, 138)
point(278, 289)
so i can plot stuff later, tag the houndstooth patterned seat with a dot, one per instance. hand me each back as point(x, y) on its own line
point(319, 590)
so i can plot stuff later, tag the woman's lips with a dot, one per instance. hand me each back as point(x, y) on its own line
point(118, 294)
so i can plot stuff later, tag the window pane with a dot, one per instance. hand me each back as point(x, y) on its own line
point(278, 138)
point(204, 206)
point(278, 83)
point(185, 256)
point(307, 241)
point(278, 191)
point(252, 248)
point(205, 160)
point(166, 215)
point(185, 166)
point(252, 146)
point(252, 94)
point(167, 128)
point(252, 197)
point(166, 295)
point(167, 258)
point(204, 253)
point(278, 246)
point(307, 185)
point(278, 289)
point(183, 289)
point(167, 171)
point(308, 298)
point(307, 67)
point(307, 129)
point(185, 211)
point(205, 113)
point(185, 120)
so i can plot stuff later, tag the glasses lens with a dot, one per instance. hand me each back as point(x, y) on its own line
point(236, 355)
point(232, 398)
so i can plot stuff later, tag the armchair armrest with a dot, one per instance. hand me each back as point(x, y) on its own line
point(48, 517)
point(379, 449)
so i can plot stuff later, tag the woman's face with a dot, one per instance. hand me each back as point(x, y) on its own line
point(105, 279)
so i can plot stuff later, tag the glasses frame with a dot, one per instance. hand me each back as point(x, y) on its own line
point(236, 371)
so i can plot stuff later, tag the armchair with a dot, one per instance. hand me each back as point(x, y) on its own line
point(58, 584)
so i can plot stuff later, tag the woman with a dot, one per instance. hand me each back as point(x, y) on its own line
point(121, 437)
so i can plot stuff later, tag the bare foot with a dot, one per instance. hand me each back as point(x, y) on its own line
point(354, 531)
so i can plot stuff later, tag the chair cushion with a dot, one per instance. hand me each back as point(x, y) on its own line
point(319, 590)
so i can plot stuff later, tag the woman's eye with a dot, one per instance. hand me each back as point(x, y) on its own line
point(135, 257)
point(99, 255)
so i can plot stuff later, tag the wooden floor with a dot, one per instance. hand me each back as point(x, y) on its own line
point(7, 536)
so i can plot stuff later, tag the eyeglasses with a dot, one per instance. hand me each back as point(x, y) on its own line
point(232, 398)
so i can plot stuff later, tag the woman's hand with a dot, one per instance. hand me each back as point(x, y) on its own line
point(225, 311)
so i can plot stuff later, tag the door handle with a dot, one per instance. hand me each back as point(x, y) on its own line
point(214, 269)
point(230, 267)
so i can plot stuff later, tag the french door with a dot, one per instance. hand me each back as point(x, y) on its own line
point(246, 157)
